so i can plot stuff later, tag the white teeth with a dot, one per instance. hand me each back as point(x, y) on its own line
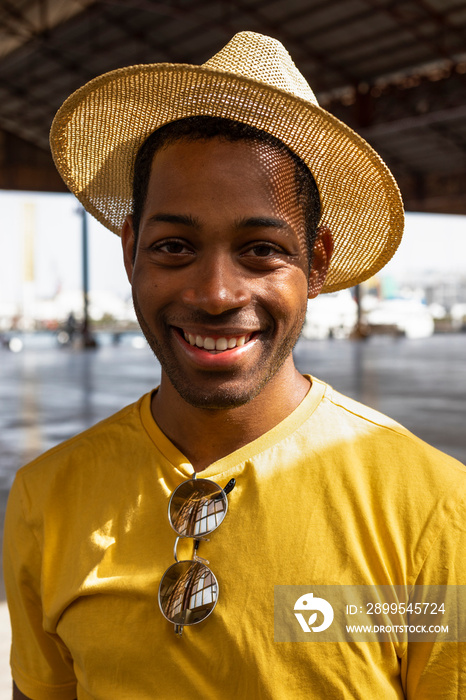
point(219, 345)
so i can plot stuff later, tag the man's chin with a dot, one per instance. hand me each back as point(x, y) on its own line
point(221, 398)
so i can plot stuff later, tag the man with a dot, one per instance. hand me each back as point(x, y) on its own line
point(226, 235)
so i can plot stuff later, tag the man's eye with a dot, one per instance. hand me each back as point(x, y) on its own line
point(263, 250)
point(172, 247)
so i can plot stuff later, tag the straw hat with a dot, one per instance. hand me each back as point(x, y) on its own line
point(98, 130)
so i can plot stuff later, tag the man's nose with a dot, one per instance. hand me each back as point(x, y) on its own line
point(216, 285)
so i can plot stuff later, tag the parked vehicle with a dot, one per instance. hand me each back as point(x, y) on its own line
point(331, 315)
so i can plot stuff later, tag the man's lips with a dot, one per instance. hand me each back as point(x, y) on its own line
point(216, 343)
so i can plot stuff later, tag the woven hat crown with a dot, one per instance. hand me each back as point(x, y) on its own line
point(263, 59)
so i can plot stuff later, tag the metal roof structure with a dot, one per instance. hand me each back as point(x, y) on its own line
point(393, 70)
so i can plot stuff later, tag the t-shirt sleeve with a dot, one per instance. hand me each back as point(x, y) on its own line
point(437, 670)
point(42, 667)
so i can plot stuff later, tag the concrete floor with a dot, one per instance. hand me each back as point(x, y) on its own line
point(48, 394)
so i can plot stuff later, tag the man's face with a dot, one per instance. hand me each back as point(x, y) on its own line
point(220, 276)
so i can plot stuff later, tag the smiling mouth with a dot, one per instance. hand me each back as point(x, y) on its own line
point(216, 345)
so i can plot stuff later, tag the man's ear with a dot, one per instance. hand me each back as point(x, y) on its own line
point(321, 255)
point(128, 243)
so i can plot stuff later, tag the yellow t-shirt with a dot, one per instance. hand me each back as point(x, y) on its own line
point(334, 494)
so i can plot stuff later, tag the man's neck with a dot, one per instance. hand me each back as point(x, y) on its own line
point(206, 435)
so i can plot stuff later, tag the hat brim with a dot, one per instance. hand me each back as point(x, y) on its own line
point(98, 130)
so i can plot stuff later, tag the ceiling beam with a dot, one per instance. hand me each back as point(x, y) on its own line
point(415, 122)
point(393, 10)
point(24, 166)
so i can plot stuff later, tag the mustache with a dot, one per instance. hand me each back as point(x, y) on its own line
point(235, 318)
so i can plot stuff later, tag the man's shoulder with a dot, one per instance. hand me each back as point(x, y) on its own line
point(359, 412)
point(106, 439)
point(377, 433)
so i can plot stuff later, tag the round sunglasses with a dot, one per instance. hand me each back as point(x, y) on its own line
point(188, 591)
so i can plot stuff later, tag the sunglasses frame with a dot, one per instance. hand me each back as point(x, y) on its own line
point(197, 539)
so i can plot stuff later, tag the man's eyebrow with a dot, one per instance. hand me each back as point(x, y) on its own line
point(184, 219)
point(261, 222)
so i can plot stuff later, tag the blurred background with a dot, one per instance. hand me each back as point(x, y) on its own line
point(70, 349)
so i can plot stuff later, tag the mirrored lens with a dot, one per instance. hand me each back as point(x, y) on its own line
point(197, 507)
point(188, 593)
